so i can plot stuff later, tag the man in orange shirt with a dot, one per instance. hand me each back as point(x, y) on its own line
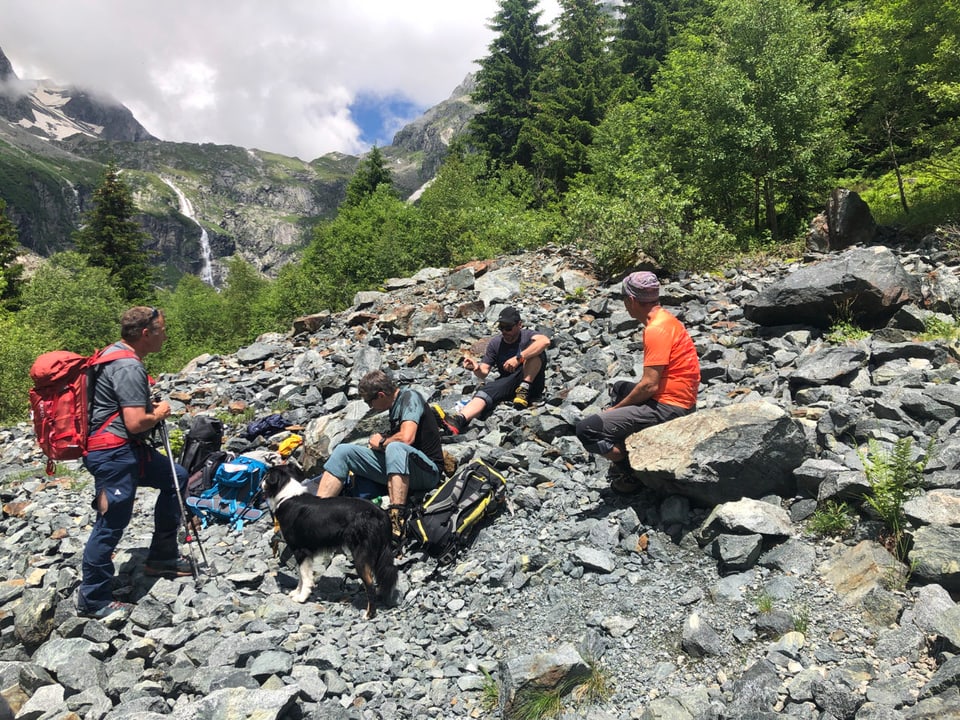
point(667, 389)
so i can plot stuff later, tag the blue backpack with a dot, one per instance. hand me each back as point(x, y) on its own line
point(234, 495)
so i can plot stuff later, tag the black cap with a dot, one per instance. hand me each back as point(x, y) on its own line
point(509, 316)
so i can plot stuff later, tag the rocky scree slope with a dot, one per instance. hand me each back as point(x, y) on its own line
point(687, 611)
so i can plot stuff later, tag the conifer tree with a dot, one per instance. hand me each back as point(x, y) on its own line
point(111, 239)
point(371, 173)
point(505, 81)
point(644, 31)
point(570, 95)
point(10, 269)
point(750, 115)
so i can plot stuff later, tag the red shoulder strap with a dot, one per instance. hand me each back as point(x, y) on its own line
point(100, 439)
point(98, 359)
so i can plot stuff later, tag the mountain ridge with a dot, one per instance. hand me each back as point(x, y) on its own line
point(56, 140)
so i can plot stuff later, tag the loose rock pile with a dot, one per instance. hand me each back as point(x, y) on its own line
point(702, 598)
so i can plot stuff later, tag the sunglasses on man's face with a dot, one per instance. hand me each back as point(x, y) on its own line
point(504, 327)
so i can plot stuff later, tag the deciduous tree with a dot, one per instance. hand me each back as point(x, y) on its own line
point(72, 304)
point(751, 114)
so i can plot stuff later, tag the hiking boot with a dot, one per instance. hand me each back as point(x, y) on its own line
point(456, 423)
point(178, 567)
point(521, 399)
point(106, 611)
point(398, 527)
point(622, 479)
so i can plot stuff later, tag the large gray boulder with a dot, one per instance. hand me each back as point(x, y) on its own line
point(712, 456)
point(846, 221)
point(865, 285)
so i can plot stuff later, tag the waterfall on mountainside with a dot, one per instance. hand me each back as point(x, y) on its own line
point(186, 207)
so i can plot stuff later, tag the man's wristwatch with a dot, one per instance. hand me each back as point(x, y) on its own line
point(383, 441)
point(520, 356)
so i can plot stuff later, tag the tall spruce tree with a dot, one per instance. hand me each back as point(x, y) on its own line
point(10, 270)
point(111, 239)
point(570, 96)
point(505, 81)
point(644, 31)
point(371, 173)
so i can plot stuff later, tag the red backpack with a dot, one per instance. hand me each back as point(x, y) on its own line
point(60, 406)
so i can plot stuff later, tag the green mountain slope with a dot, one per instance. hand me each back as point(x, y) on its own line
point(258, 205)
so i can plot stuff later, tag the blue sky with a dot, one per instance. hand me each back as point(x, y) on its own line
point(379, 118)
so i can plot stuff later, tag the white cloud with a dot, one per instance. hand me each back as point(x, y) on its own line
point(277, 76)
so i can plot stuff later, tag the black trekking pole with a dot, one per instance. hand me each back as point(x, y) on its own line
point(162, 425)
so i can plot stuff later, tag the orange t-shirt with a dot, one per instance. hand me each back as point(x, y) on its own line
point(666, 342)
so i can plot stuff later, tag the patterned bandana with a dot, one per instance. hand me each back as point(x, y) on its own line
point(642, 286)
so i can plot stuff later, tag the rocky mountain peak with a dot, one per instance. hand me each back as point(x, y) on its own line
point(6, 69)
point(53, 112)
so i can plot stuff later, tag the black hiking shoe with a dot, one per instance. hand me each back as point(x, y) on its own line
point(178, 567)
point(456, 423)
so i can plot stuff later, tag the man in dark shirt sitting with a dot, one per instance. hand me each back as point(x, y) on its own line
point(519, 356)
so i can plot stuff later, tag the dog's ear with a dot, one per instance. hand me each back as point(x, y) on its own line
point(294, 471)
point(274, 477)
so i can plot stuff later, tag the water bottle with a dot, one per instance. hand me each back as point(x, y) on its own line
point(461, 404)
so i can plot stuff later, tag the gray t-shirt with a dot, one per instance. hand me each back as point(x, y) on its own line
point(119, 384)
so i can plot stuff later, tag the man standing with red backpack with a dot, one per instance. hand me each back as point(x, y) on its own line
point(122, 414)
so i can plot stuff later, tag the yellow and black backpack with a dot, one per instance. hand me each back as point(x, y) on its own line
point(443, 524)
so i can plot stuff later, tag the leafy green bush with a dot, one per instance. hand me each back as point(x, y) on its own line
point(844, 331)
point(470, 212)
point(72, 305)
point(201, 320)
point(937, 328)
point(650, 223)
point(67, 305)
point(19, 346)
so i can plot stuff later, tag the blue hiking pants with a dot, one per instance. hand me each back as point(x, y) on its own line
point(372, 468)
point(118, 472)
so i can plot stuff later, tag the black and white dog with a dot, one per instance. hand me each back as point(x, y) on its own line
point(312, 526)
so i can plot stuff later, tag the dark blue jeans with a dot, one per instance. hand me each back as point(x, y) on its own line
point(118, 473)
